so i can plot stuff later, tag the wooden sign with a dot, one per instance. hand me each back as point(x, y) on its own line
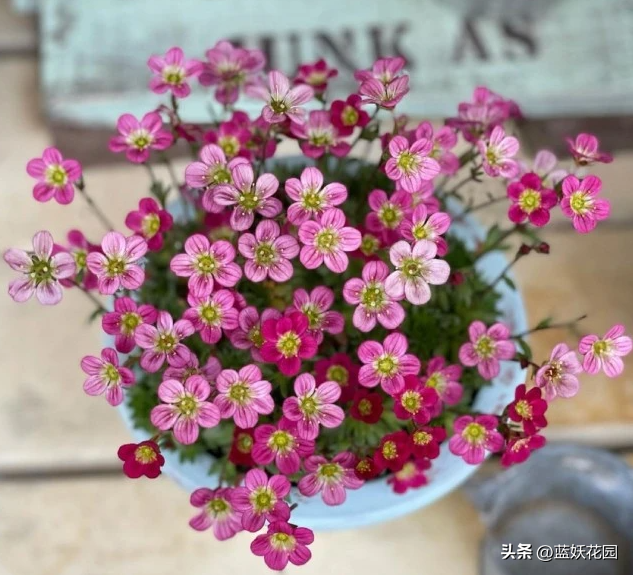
point(556, 57)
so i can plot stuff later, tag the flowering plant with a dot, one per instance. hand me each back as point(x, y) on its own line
point(313, 323)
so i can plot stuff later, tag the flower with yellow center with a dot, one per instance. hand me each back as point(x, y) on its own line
point(529, 200)
point(56, 176)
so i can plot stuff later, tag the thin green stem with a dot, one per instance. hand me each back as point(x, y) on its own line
point(504, 236)
point(91, 297)
point(563, 324)
point(93, 206)
point(478, 207)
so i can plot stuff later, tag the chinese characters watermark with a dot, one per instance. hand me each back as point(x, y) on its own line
point(547, 553)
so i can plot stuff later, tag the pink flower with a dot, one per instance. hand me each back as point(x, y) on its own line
point(393, 451)
point(136, 138)
point(283, 543)
point(212, 169)
point(217, 511)
point(41, 271)
point(530, 200)
point(387, 363)
point(367, 406)
point(163, 342)
point(210, 370)
point(79, 247)
point(605, 353)
point(443, 141)
point(557, 378)
point(584, 150)
point(339, 368)
point(229, 68)
point(124, 320)
point(281, 444)
point(581, 204)
point(416, 268)
point(416, 402)
point(172, 72)
point(150, 221)
point(528, 409)
point(232, 137)
point(261, 499)
point(410, 165)
point(313, 406)
point(348, 114)
point(205, 263)
point(326, 240)
point(210, 314)
point(425, 197)
point(444, 379)
point(116, 267)
point(248, 197)
point(486, 348)
point(55, 176)
point(184, 408)
point(411, 476)
point(386, 96)
point(319, 136)
point(498, 153)
point(282, 101)
point(519, 450)
point(419, 225)
point(387, 213)
point(287, 341)
point(105, 375)
point(243, 395)
point(384, 70)
point(268, 253)
point(426, 441)
point(315, 75)
point(140, 459)
point(310, 197)
point(248, 334)
point(372, 301)
point(315, 306)
point(330, 478)
point(473, 436)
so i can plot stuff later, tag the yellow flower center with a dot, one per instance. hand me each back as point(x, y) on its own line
point(40, 270)
point(249, 201)
point(282, 542)
point(580, 203)
point(244, 443)
point(111, 374)
point(312, 200)
point(436, 381)
point(80, 259)
point(372, 296)
point(219, 507)
point(420, 232)
point(349, 117)
point(389, 450)
point(485, 347)
point(331, 472)
point(288, 344)
point(256, 337)
point(145, 454)
point(265, 254)
point(390, 216)
point(524, 409)
point(411, 401)
point(115, 266)
point(308, 406)
point(278, 106)
point(239, 393)
point(387, 365)
point(364, 407)
point(474, 433)
point(230, 145)
point(327, 240)
point(187, 406)
point(56, 175)
point(281, 441)
point(601, 348)
point(369, 245)
point(338, 374)
point(166, 343)
point(412, 268)
point(315, 317)
point(219, 174)
point(150, 225)
point(173, 75)
point(529, 200)
point(408, 471)
point(422, 437)
point(206, 264)
point(129, 322)
point(407, 162)
point(140, 139)
point(211, 314)
point(263, 499)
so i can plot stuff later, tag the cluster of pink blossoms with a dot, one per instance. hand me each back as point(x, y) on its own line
point(333, 266)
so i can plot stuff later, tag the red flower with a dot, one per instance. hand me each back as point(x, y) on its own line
point(528, 408)
point(518, 450)
point(425, 442)
point(141, 459)
point(348, 114)
point(411, 476)
point(416, 401)
point(366, 469)
point(367, 406)
point(243, 440)
point(393, 451)
point(342, 370)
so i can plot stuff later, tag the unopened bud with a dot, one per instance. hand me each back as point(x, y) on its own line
point(543, 248)
point(524, 250)
point(456, 278)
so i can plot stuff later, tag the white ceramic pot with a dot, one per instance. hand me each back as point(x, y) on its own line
point(376, 502)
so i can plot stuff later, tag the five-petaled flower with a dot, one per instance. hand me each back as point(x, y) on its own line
point(419, 225)
point(211, 314)
point(411, 476)
point(137, 138)
point(55, 176)
point(530, 200)
point(150, 221)
point(474, 436)
point(411, 164)
point(172, 71)
point(605, 353)
point(557, 377)
point(140, 459)
point(318, 136)
point(282, 444)
point(426, 441)
point(106, 376)
point(393, 451)
point(347, 114)
point(217, 512)
point(123, 321)
point(416, 401)
point(528, 408)
point(282, 101)
point(584, 150)
point(341, 369)
point(444, 379)
point(581, 203)
point(519, 449)
point(331, 478)
point(283, 543)
point(316, 307)
point(315, 75)
point(498, 154)
point(367, 406)
point(486, 347)
point(248, 334)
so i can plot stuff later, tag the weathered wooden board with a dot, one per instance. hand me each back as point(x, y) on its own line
point(559, 58)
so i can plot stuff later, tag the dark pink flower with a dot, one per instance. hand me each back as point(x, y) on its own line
point(339, 368)
point(530, 200)
point(605, 353)
point(248, 334)
point(242, 447)
point(443, 140)
point(387, 213)
point(584, 150)
point(384, 70)
point(348, 114)
point(528, 409)
point(150, 221)
point(411, 476)
point(211, 314)
point(316, 75)
point(473, 436)
point(444, 379)
point(316, 307)
point(124, 320)
point(55, 176)
point(137, 138)
point(426, 441)
point(487, 346)
point(416, 402)
point(140, 459)
point(581, 203)
point(79, 247)
point(162, 342)
point(172, 72)
point(393, 451)
point(383, 84)
point(331, 478)
point(106, 376)
point(217, 512)
point(232, 137)
point(281, 444)
point(282, 101)
point(283, 543)
point(318, 136)
point(519, 450)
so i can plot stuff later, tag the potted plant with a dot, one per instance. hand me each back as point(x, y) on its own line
point(324, 340)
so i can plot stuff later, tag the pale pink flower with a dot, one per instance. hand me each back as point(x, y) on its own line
point(372, 301)
point(282, 100)
point(205, 263)
point(124, 320)
point(545, 165)
point(318, 136)
point(444, 379)
point(210, 370)
point(117, 266)
point(498, 154)
point(282, 444)
point(229, 68)
point(185, 408)
point(243, 395)
point(106, 375)
point(137, 138)
point(55, 176)
point(313, 406)
point(261, 499)
point(486, 347)
point(387, 213)
point(473, 436)
point(316, 305)
point(326, 240)
point(310, 197)
point(386, 96)
point(425, 196)
point(416, 268)
point(212, 169)
point(212, 313)
point(387, 363)
point(384, 70)
point(331, 478)
point(40, 269)
point(283, 543)
point(248, 334)
point(248, 197)
point(162, 342)
point(419, 225)
point(172, 71)
point(268, 253)
point(217, 512)
point(410, 165)
point(605, 353)
point(443, 141)
point(581, 203)
point(584, 150)
point(557, 377)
